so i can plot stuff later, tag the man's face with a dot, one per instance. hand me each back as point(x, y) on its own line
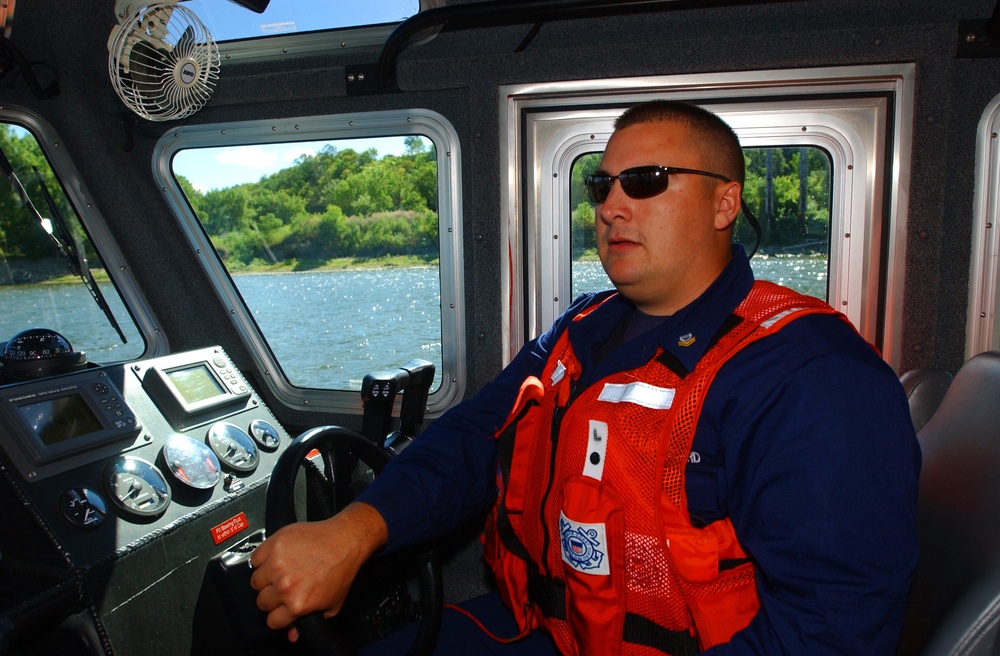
point(662, 252)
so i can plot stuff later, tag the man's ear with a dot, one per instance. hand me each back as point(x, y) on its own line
point(728, 208)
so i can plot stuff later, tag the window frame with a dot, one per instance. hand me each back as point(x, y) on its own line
point(859, 115)
point(318, 42)
point(984, 268)
point(420, 122)
point(93, 222)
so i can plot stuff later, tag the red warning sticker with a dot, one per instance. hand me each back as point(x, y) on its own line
point(229, 528)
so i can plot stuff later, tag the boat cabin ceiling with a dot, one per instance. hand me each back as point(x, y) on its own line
point(211, 207)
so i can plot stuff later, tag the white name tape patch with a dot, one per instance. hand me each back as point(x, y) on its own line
point(644, 394)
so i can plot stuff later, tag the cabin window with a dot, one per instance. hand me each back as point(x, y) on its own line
point(54, 258)
point(826, 179)
point(982, 328)
point(336, 242)
point(787, 189)
point(291, 28)
point(228, 21)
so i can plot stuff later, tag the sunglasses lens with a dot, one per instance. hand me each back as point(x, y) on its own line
point(598, 187)
point(641, 182)
point(644, 182)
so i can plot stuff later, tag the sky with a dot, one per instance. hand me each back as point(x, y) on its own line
point(227, 20)
point(219, 168)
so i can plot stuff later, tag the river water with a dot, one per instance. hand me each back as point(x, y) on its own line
point(327, 329)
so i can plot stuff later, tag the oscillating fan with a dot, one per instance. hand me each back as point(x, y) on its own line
point(163, 61)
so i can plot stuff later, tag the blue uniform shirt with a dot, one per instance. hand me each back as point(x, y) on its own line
point(805, 442)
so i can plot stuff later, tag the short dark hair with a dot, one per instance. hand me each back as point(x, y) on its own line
point(721, 145)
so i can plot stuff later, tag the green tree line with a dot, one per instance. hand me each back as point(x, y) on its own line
point(28, 250)
point(21, 235)
point(349, 204)
point(334, 204)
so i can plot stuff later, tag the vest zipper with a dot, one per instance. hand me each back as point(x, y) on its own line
point(557, 416)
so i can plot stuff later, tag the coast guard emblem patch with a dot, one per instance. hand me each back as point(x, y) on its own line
point(584, 546)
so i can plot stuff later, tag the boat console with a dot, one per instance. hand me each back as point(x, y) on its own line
point(127, 479)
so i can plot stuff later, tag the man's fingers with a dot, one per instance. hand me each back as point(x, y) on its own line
point(259, 555)
point(279, 618)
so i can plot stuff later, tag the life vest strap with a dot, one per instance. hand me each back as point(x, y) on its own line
point(549, 596)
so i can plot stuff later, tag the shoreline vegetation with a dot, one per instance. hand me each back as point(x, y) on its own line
point(52, 271)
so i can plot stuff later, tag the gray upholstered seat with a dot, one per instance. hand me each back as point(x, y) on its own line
point(955, 601)
point(924, 390)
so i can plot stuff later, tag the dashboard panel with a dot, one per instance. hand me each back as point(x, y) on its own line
point(117, 463)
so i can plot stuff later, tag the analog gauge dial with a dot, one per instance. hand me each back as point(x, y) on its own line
point(192, 462)
point(233, 446)
point(83, 507)
point(136, 486)
point(264, 434)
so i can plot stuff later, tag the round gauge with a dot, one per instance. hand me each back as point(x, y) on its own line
point(192, 462)
point(83, 507)
point(136, 486)
point(233, 446)
point(264, 434)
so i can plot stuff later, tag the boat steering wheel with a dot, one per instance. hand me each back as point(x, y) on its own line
point(280, 511)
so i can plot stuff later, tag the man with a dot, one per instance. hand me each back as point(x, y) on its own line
point(696, 462)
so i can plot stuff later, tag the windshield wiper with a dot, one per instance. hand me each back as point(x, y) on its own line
point(58, 231)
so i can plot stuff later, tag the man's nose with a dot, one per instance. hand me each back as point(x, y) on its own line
point(615, 205)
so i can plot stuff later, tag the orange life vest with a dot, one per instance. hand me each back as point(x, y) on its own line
point(591, 536)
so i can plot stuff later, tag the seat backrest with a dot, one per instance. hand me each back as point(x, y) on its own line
point(958, 518)
point(924, 390)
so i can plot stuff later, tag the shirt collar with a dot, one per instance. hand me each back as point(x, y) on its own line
point(691, 332)
point(686, 335)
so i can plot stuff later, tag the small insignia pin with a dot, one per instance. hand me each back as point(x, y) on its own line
point(686, 340)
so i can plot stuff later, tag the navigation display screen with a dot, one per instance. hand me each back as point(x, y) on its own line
point(59, 419)
point(195, 383)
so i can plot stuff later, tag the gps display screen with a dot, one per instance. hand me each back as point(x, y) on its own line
point(60, 419)
point(195, 383)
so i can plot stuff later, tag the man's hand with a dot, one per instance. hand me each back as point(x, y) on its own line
point(308, 567)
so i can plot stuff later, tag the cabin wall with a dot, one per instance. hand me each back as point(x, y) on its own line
point(458, 74)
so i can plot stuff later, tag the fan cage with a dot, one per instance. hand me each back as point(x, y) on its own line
point(163, 62)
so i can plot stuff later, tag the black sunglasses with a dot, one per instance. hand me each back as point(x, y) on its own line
point(639, 182)
point(648, 181)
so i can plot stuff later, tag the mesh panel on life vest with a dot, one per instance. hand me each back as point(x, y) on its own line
point(766, 302)
point(674, 579)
